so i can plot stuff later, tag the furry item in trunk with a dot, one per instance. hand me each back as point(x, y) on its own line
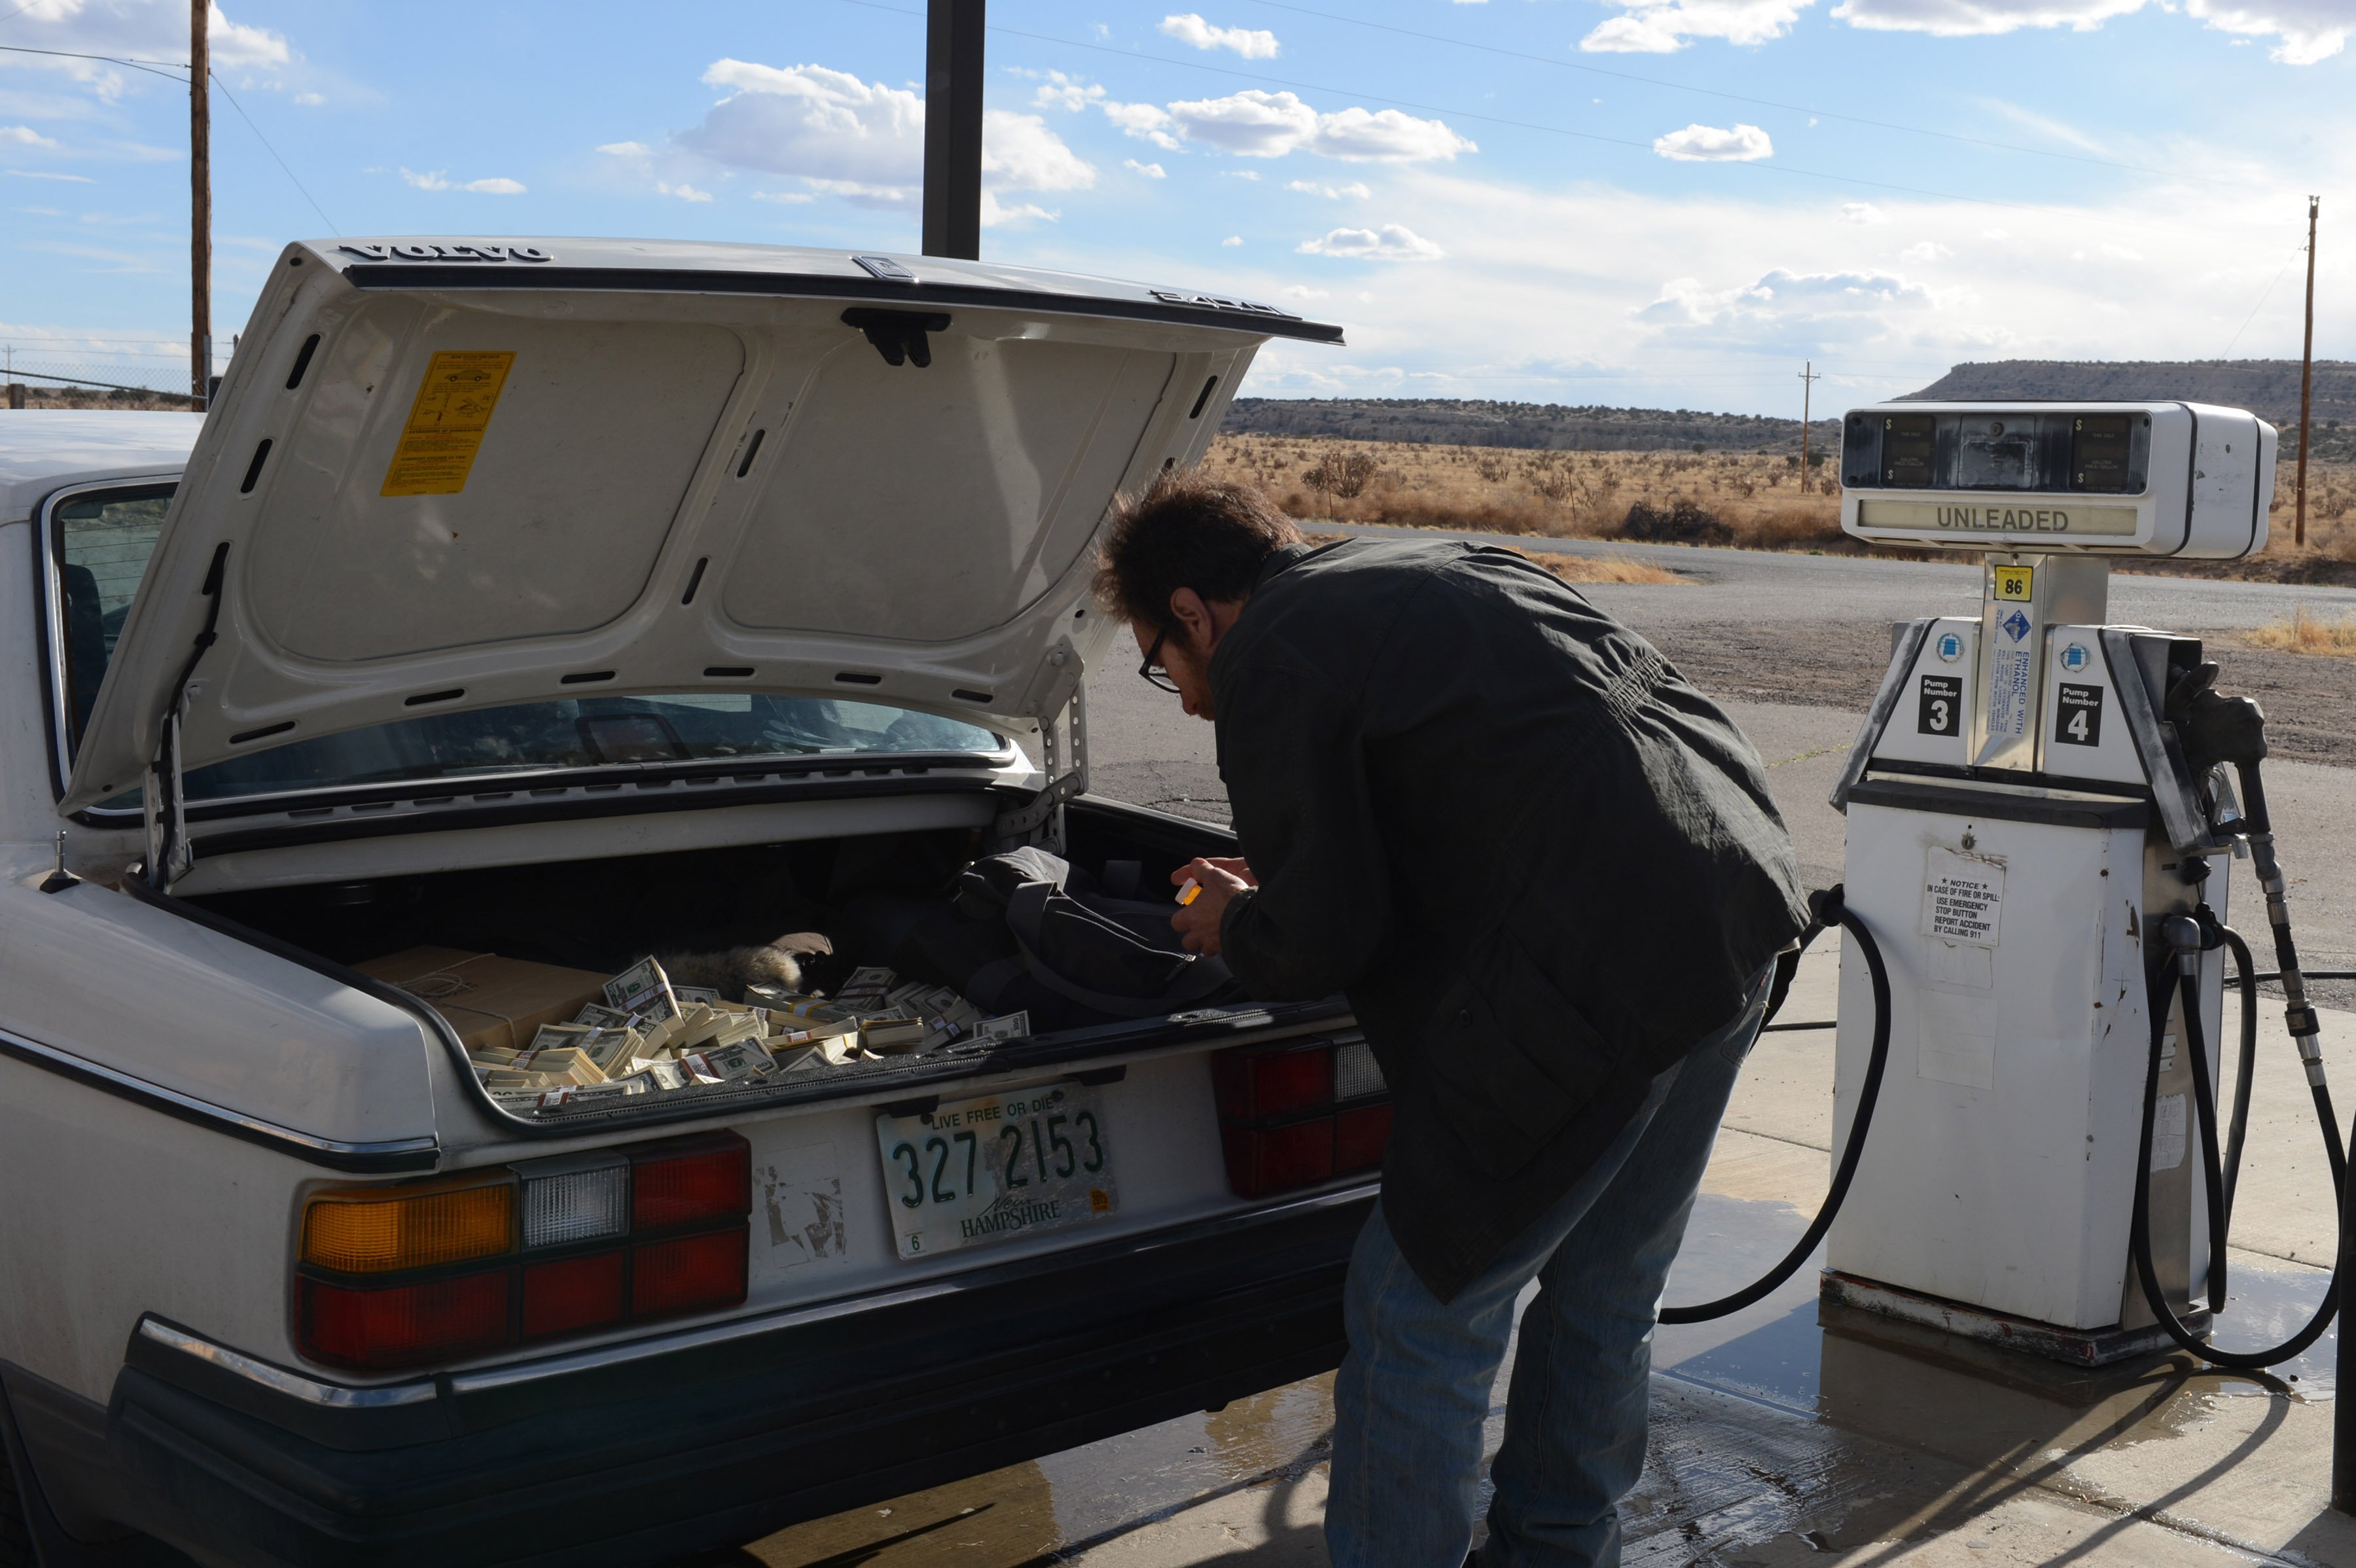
point(775, 963)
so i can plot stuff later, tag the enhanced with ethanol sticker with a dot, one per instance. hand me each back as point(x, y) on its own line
point(977, 1171)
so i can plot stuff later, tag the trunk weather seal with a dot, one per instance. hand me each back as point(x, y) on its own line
point(440, 279)
point(388, 1156)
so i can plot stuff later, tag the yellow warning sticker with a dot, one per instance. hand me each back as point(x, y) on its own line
point(447, 421)
point(2012, 583)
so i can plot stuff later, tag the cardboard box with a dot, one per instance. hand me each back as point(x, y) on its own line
point(489, 1000)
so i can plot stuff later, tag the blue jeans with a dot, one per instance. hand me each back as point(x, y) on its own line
point(1412, 1396)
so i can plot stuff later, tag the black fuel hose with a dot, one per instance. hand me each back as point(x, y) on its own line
point(2187, 941)
point(1828, 908)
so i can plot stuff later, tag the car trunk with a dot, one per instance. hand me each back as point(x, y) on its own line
point(863, 892)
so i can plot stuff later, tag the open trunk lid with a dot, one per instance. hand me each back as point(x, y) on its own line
point(446, 474)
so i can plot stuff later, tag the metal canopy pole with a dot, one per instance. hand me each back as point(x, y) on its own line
point(953, 129)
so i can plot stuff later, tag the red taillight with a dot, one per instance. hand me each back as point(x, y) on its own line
point(401, 1326)
point(567, 1295)
point(1276, 1159)
point(1257, 1082)
point(685, 1181)
point(565, 1245)
point(688, 1273)
point(1293, 1115)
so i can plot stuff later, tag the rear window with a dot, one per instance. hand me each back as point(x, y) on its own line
point(100, 543)
point(587, 732)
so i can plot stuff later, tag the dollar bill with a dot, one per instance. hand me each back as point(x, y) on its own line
point(597, 1017)
point(663, 1072)
point(643, 991)
point(1013, 1026)
point(891, 1035)
point(688, 996)
point(722, 1063)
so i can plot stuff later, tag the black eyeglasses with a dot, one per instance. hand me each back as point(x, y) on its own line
point(1154, 674)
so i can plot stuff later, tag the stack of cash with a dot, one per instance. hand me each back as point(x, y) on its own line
point(649, 1037)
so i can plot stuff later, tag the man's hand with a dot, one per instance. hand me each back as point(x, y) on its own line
point(1220, 878)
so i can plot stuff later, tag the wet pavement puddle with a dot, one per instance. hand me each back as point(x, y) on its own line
point(1835, 1405)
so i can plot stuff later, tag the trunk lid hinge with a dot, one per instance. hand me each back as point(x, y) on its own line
point(164, 799)
point(1063, 755)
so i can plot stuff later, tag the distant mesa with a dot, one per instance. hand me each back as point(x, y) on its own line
point(2270, 387)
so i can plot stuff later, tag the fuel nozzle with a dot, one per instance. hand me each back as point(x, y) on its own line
point(59, 880)
point(2217, 729)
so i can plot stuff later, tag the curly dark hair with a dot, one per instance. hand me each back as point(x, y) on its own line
point(1187, 532)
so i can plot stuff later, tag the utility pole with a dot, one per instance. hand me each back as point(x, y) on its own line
point(953, 57)
point(2307, 375)
point(1808, 380)
point(200, 205)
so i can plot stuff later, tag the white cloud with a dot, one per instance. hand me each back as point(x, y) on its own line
point(996, 214)
point(310, 100)
point(811, 121)
point(1022, 153)
point(1391, 242)
point(1709, 144)
point(625, 149)
point(684, 191)
point(25, 136)
point(1862, 214)
point(1143, 120)
point(785, 198)
point(1302, 291)
point(1255, 123)
point(1233, 240)
point(1648, 26)
point(1252, 43)
point(437, 179)
point(1151, 171)
point(1250, 174)
point(139, 29)
point(40, 174)
point(2309, 30)
point(1925, 252)
point(865, 142)
point(1329, 192)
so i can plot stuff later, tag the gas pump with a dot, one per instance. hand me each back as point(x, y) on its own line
point(2039, 808)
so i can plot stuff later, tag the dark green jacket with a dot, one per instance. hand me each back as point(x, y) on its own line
point(1541, 865)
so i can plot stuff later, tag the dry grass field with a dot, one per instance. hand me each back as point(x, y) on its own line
point(2307, 632)
point(1750, 500)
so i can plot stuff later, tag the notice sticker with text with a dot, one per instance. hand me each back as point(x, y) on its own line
point(1963, 897)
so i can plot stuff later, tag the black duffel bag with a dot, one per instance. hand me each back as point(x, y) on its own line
point(1026, 930)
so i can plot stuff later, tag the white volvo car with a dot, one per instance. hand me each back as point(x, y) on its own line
point(566, 601)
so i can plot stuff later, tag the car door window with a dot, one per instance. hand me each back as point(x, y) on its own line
point(103, 539)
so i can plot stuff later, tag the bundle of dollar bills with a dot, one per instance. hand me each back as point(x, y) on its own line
point(649, 1037)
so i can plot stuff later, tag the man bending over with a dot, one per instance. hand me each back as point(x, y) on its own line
point(1547, 873)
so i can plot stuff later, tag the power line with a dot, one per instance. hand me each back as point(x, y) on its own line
point(2296, 250)
point(225, 92)
point(1782, 169)
point(145, 65)
point(1711, 91)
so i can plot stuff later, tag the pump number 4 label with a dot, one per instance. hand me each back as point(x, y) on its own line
point(977, 1171)
point(2077, 714)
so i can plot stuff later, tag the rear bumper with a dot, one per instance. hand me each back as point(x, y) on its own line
point(710, 1437)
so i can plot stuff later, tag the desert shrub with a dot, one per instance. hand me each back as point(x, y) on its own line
point(1343, 474)
point(1680, 523)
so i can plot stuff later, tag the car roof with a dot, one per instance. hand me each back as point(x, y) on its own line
point(43, 448)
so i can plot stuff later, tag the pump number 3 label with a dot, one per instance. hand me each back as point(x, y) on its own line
point(977, 1171)
point(1941, 708)
point(1963, 897)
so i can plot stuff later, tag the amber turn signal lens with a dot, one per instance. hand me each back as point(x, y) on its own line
point(368, 1231)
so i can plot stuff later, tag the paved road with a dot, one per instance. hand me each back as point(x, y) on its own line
point(1771, 585)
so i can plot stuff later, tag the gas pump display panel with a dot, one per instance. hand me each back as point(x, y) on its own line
point(2114, 479)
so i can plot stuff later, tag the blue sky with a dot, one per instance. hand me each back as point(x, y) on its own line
point(1610, 201)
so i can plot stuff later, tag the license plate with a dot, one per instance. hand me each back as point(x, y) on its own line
point(977, 1171)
